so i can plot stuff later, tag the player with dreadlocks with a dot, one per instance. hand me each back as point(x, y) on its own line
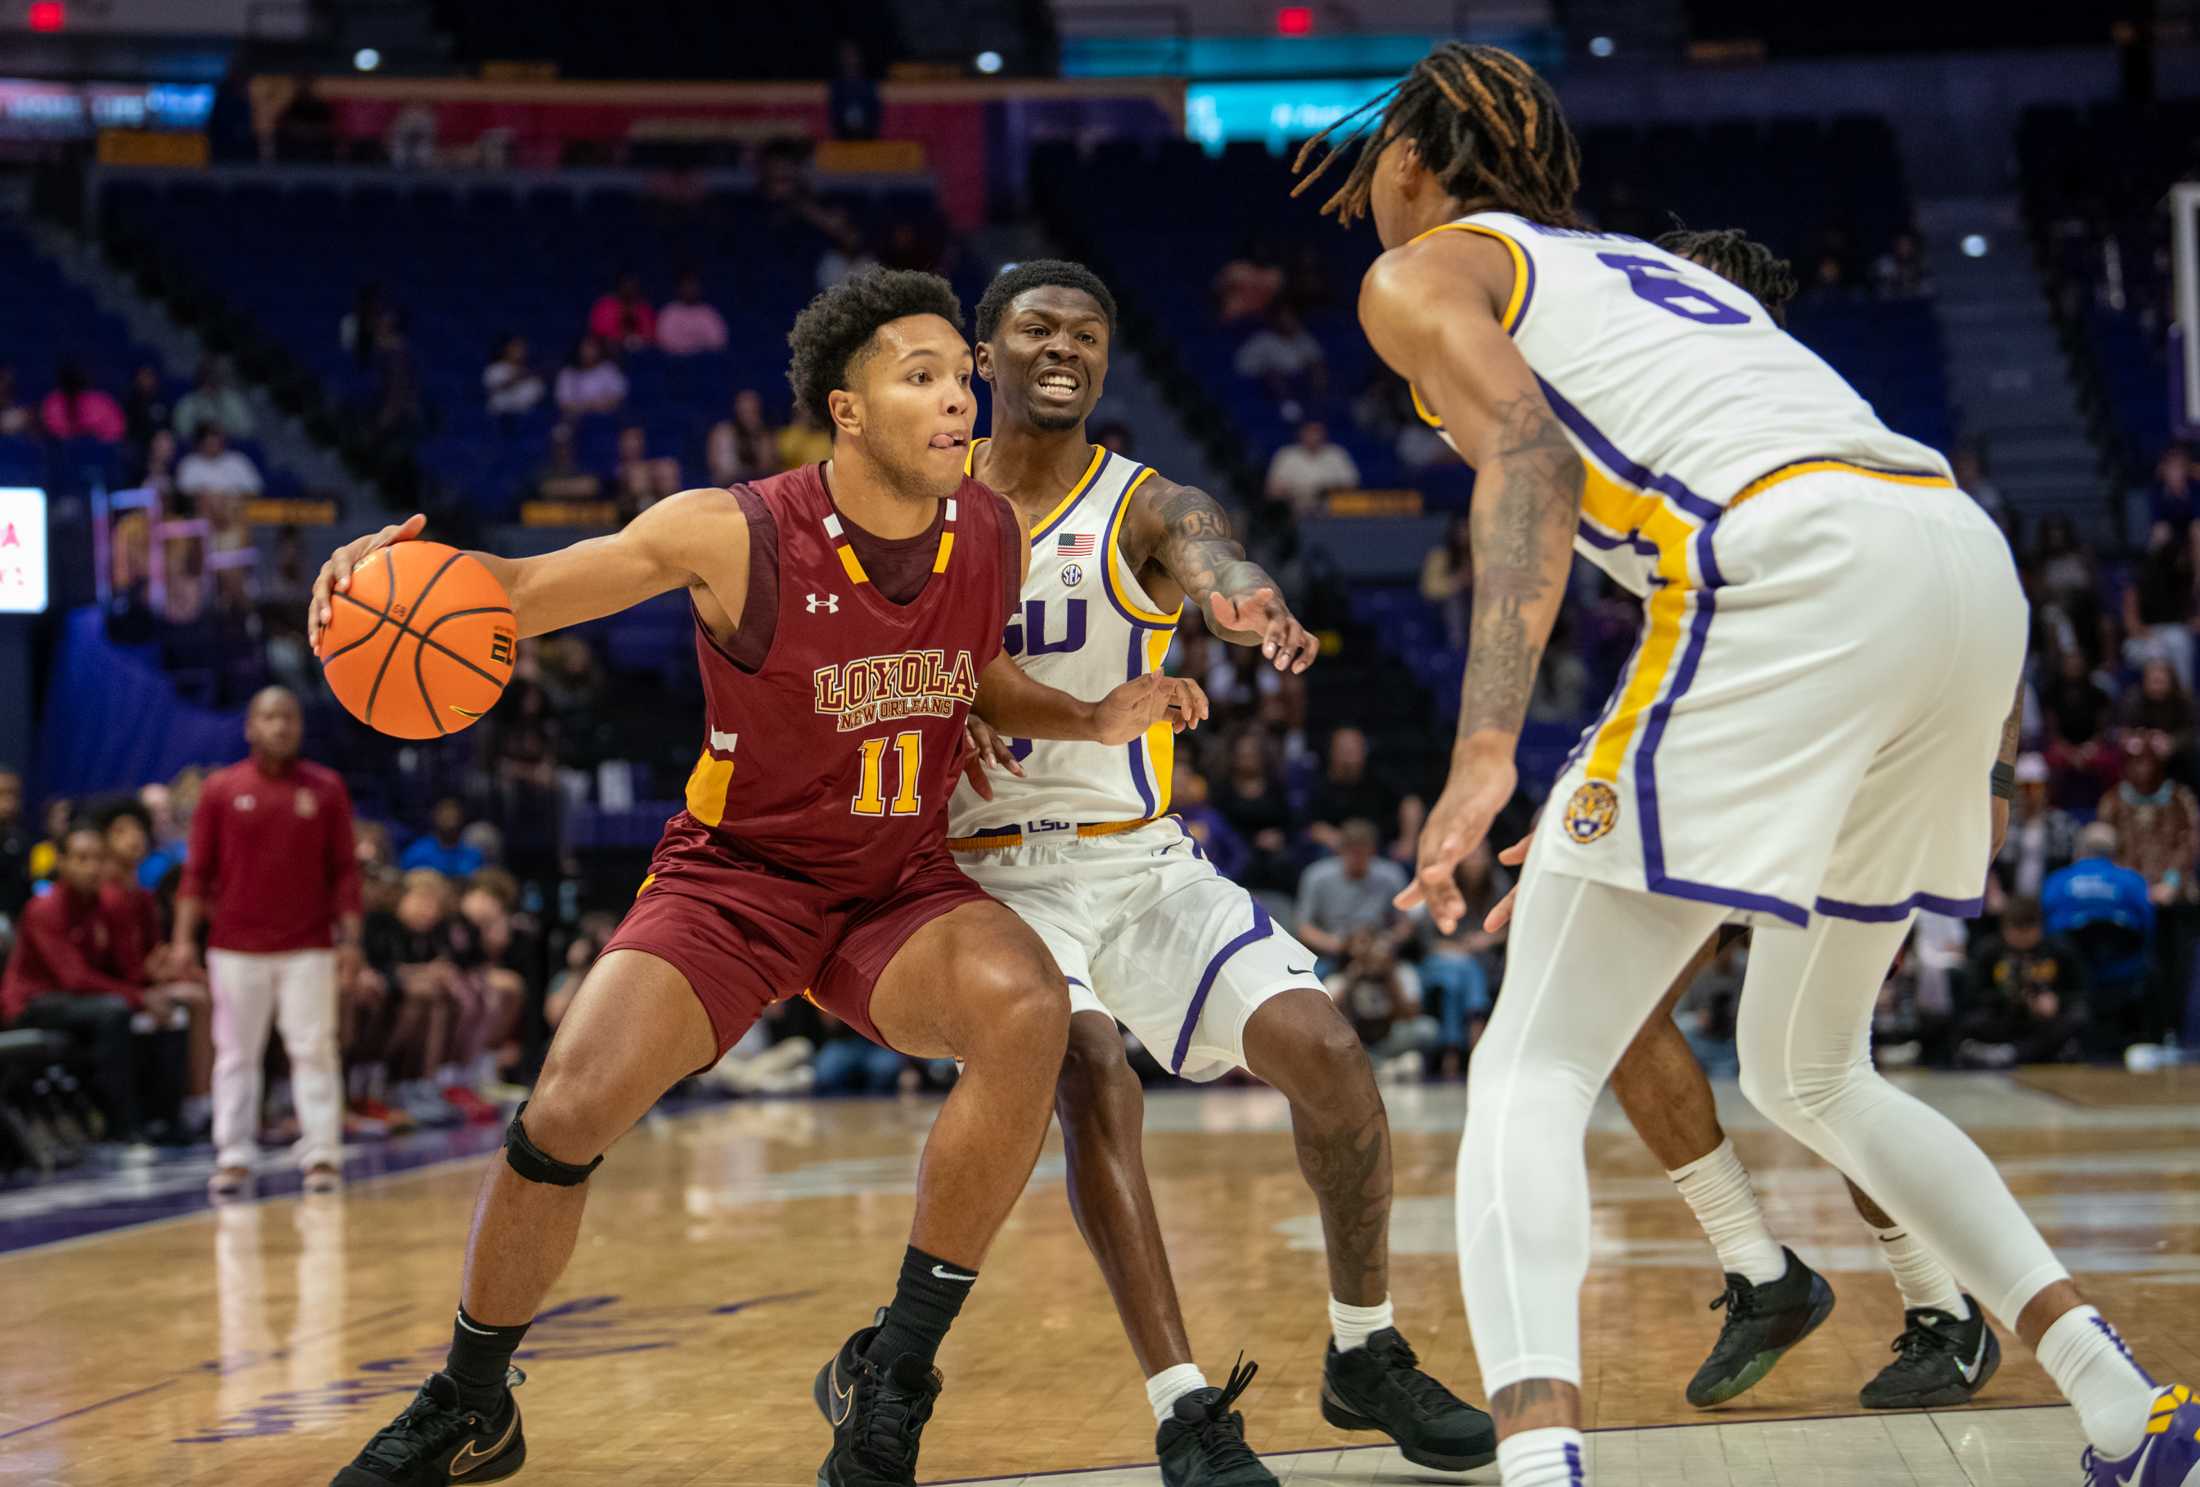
point(1779, 752)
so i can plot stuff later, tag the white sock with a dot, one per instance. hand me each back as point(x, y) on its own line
point(1919, 1275)
point(1352, 1326)
point(1718, 1192)
point(1550, 1457)
point(2103, 1382)
point(1165, 1388)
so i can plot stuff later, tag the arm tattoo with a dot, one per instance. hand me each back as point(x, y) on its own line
point(1201, 552)
point(1522, 519)
point(2012, 727)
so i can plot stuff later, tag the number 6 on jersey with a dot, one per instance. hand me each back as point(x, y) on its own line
point(870, 798)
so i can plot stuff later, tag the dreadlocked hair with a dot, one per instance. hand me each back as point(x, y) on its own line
point(1739, 259)
point(1488, 127)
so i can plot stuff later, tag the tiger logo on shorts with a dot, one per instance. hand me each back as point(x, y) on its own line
point(1591, 812)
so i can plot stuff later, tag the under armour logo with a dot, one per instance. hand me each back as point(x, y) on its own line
point(830, 603)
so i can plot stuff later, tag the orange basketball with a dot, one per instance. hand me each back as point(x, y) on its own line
point(422, 643)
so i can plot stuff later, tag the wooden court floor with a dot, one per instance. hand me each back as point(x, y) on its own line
point(729, 1250)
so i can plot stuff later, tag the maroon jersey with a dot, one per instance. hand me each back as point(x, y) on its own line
point(833, 760)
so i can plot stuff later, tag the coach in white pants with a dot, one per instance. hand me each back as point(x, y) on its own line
point(272, 868)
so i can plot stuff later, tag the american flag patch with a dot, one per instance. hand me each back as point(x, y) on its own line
point(1077, 544)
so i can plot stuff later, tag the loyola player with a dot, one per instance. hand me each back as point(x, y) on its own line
point(1077, 840)
point(848, 616)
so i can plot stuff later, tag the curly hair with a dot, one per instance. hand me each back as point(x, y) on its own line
point(832, 335)
point(1486, 123)
point(1039, 273)
point(1739, 259)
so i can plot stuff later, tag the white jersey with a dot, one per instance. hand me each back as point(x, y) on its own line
point(1681, 393)
point(1086, 627)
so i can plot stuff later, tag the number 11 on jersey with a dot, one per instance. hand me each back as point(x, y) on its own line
point(870, 797)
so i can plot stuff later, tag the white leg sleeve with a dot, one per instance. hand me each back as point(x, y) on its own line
point(1804, 1036)
point(1586, 964)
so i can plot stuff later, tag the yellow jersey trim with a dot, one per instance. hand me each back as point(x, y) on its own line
point(645, 885)
point(1161, 737)
point(1046, 523)
point(1115, 557)
point(994, 841)
point(1518, 300)
point(1786, 473)
point(947, 545)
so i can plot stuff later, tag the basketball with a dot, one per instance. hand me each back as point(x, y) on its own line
point(422, 643)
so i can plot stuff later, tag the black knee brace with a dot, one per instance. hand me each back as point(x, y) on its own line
point(536, 1165)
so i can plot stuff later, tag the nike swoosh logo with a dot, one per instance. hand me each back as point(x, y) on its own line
point(843, 1399)
point(1978, 1359)
point(1300, 970)
point(945, 1274)
point(2138, 1467)
point(472, 1455)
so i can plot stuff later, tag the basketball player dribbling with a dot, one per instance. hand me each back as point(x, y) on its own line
point(848, 618)
point(1077, 839)
point(1782, 750)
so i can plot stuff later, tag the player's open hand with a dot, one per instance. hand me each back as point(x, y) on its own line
point(335, 575)
point(987, 750)
point(1138, 704)
point(1283, 640)
point(1471, 800)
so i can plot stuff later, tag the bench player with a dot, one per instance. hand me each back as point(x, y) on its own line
point(1079, 842)
point(1833, 633)
point(848, 616)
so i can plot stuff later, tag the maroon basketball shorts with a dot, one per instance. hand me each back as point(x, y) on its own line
point(747, 938)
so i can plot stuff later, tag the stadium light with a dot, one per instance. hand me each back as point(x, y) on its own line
point(1602, 46)
point(987, 62)
point(47, 15)
point(366, 59)
point(1974, 245)
point(1295, 20)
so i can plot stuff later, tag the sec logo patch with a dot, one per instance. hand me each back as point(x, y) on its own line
point(1072, 575)
point(1591, 812)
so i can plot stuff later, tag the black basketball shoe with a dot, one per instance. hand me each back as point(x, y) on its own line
point(1938, 1360)
point(1762, 1323)
point(1203, 1443)
point(877, 1414)
point(437, 1441)
point(1381, 1387)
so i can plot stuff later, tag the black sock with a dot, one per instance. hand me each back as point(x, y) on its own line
point(479, 1356)
point(926, 1299)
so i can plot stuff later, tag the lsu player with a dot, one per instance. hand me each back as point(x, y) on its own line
point(1803, 741)
point(1080, 844)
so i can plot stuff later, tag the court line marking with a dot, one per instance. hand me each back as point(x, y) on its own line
point(1132, 1466)
point(87, 1409)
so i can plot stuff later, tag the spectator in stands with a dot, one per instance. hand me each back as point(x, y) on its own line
point(159, 474)
point(2158, 603)
point(424, 951)
point(804, 442)
point(45, 858)
point(231, 134)
point(2069, 579)
point(688, 324)
point(440, 847)
point(2156, 820)
point(851, 100)
point(273, 871)
point(218, 479)
point(623, 318)
point(591, 382)
point(2171, 499)
point(305, 131)
point(77, 410)
point(355, 332)
point(1459, 971)
point(1341, 896)
point(1380, 997)
point(145, 409)
point(16, 416)
point(850, 1064)
point(2106, 911)
point(742, 446)
point(1309, 468)
point(2160, 704)
point(1447, 579)
point(67, 972)
point(2026, 998)
point(134, 870)
point(215, 400)
point(1899, 273)
point(2042, 839)
point(1248, 284)
point(1251, 800)
point(642, 479)
point(572, 680)
point(512, 965)
point(1284, 357)
point(509, 383)
point(15, 845)
point(2076, 709)
point(560, 476)
point(1829, 280)
point(846, 254)
point(1347, 790)
point(580, 953)
point(1969, 465)
point(397, 409)
point(1189, 802)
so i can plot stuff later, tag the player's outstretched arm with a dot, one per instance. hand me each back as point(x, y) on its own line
point(1431, 310)
point(1188, 532)
point(1018, 707)
point(697, 536)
